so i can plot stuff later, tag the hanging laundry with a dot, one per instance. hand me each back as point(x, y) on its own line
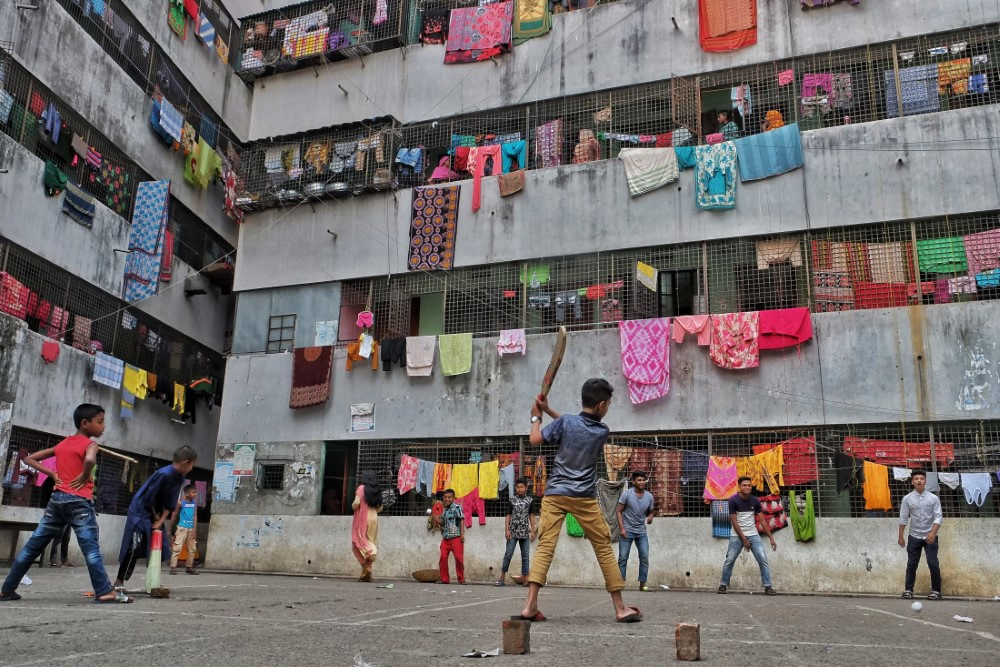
point(608, 494)
point(770, 153)
point(588, 149)
point(180, 399)
point(735, 340)
point(548, 144)
point(531, 19)
point(982, 251)
point(715, 176)
point(648, 169)
point(699, 325)
point(901, 474)
point(512, 341)
point(479, 33)
point(50, 351)
point(876, 487)
point(108, 370)
point(785, 77)
point(406, 479)
point(311, 367)
point(145, 243)
point(487, 160)
point(715, 138)
point(456, 354)
point(849, 472)
point(511, 183)
point(79, 205)
point(515, 155)
point(784, 328)
point(694, 466)
point(646, 276)
point(471, 503)
point(685, 156)
point(206, 31)
point(81, 332)
point(919, 91)
point(720, 480)
point(942, 255)
point(420, 355)
point(170, 120)
point(742, 99)
point(645, 349)
point(354, 353)
point(489, 480)
point(976, 486)
point(393, 352)
point(167, 257)
point(616, 457)
point(54, 179)
point(798, 460)
point(778, 250)
point(773, 513)
point(949, 479)
point(890, 452)
point(722, 525)
point(804, 524)
point(434, 29)
point(953, 77)
point(442, 477)
point(932, 484)
point(665, 482)
point(727, 25)
point(434, 217)
point(425, 478)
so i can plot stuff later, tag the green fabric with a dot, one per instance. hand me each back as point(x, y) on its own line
point(24, 126)
point(531, 273)
point(455, 353)
point(202, 165)
point(175, 18)
point(54, 179)
point(803, 525)
point(531, 25)
point(573, 527)
point(945, 255)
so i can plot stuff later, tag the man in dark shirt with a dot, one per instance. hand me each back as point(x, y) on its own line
point(743, 511)
point(572, 488)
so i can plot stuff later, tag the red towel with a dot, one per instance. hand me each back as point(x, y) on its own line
point(50, 351)
point(191, 7)
point(784, 328)
point(893, 453)
point(462, 158)
point(798, 457)
point(14, 296)
point(727, 25)
point(311, 368)
point(167, 258)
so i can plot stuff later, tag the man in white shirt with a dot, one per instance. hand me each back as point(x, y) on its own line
point(922, 510)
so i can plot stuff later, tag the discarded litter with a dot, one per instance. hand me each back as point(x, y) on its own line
point(25, 580)
point(665, 587)
point(962, 619)
point(359, 661)
point(482, 654)
point(388, 586)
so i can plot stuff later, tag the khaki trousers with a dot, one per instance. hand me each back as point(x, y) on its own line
point(180, 537)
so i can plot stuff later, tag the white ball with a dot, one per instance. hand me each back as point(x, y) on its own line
point(428, 511)
point(917, 606)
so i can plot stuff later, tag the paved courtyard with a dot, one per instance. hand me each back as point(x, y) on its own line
point(240, 619)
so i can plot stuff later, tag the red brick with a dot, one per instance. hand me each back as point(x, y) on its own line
point(516, 637)
point(688, 639)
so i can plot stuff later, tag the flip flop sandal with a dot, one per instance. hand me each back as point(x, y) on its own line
point(539, 617)
point(500, 584)
point(634, 617)
point(120, 598)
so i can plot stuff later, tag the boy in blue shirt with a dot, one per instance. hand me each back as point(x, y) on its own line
point(186, 522)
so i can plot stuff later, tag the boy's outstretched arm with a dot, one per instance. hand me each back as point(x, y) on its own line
point(34, 461)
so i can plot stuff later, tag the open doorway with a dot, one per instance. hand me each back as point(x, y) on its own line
point(339, 478)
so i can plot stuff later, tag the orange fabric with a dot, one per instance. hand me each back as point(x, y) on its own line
point(727, 25)
point(352, 355)
point(876, 487)
point(442, 476)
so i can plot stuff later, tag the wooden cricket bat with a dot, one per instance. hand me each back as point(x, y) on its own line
point(557, 357)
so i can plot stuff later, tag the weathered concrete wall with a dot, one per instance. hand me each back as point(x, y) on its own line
point(836, 187)
point(48, 393)
point(215, 81)
point(300, 496)
point(99, 90)
point(309, 303)
point(12, 333)
point(848, 555)
point(912, 368)
point(614, 45)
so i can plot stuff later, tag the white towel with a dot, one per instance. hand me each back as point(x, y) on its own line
point(512, 341)
point(420, 355)
point(365, 350)
point(648, 168)
point(901, 474)
point(932, 483)
point(949, 479)
point(976, 486)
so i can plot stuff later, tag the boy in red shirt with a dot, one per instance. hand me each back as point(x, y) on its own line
point(71, 503)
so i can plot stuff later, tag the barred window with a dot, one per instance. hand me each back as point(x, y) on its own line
point(280, 333)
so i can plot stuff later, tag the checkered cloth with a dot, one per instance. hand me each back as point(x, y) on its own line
point(206, 31)
point(171, 120)
point(108, 370)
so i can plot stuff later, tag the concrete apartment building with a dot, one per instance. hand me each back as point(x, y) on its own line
point(95, 71)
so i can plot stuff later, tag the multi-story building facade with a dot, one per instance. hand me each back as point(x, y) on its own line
point(78, 84)
point(896, 114)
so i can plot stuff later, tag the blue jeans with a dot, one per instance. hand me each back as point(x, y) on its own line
point(63, 509)
point(757, 547)
point(625, 549)
point(509, 553)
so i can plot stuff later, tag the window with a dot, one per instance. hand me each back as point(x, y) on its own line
point(678, 293)
point(272, 477)
point(280, 333)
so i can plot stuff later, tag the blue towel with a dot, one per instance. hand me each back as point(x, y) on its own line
point(770, 153)
point(989, 278)
point(685, 156)
point(511, 151)
point(209, 131)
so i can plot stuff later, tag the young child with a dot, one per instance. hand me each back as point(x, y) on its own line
point(71, 504)
point(452, 523)
point(572, 488)
point(186, 518)
point(520, 528)
point(149, 508)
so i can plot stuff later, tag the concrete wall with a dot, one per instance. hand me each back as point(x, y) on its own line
point(619, 44)
point(48, 393)
point(310, 304)
point(99, 90)
point(215, 81)
point(912, 367)
point(573, 203)
point(847, 556)
point(300, 495)
point(12, 332)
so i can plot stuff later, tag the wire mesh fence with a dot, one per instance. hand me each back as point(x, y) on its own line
point(955, 455)
point(115, 480)
point(69, 309)
point(934, 73)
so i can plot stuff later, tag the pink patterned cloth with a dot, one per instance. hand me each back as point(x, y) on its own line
point(786, 77)
point(548, 144)
point(646, 357)
point(692, 324)
point(716, 138)
point(512, 341)
point(735, 340)
point(407, 478)
point(982, 251)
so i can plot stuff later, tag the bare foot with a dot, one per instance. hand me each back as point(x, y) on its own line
point(628, 615)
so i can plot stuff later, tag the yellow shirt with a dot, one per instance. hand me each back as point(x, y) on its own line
point(179, 398)
point(489, 480)
point(465, 478)
point(134, 381)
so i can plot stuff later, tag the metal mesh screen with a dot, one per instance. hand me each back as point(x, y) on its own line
point(126, 333)
point(676, 463)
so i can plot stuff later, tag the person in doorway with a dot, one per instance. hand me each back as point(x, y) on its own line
point(729, 129)
point(635, 512)
point(520, 529)
point(572, 489)
point(452, 522)
point(149, 509)
point(71, 504)
point(364, 528)
point(185, 520)
point(922, 510)
point(743, 511)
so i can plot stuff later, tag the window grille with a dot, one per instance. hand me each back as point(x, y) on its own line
point(272, 477)
point(280, 333)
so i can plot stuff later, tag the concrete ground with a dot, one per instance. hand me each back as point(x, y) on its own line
point(239, 619)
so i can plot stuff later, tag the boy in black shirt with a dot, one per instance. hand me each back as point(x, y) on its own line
point(520, 528)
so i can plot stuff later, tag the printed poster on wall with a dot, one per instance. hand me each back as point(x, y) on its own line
point(243, 459)
point(362, 417)
point(326, 333)
point(224, 483)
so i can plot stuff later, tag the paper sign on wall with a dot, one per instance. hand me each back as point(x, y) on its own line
point(224, 483)
point(326, 333)
point(243, 459)
point(362, 417)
